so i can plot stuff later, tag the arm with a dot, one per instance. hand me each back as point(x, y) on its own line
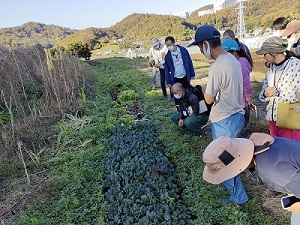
point(187, 62)
point(190, 65)
point(168, 61)
point(209, 99)
point(262, 96)
point(247, 87)
point(213, 84)
point(194, 104)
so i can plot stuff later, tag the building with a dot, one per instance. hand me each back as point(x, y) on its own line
point(219, 5)
point(206, 12)
point(183, 14)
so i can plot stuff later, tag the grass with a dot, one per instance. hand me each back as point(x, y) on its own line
point(72, 192)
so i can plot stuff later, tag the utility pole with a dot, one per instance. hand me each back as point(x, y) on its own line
point(241, 21)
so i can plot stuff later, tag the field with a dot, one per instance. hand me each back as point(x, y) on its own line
point(74, 183)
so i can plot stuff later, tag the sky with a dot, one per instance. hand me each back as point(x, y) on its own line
point(81, 14)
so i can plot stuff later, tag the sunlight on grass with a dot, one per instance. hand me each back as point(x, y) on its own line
point(257, 76)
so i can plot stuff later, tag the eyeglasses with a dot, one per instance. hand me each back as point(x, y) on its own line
point(175, 92)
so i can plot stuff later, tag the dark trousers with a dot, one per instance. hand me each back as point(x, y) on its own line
point(192, 123)
point(247, 114)
point(183, 81)
point(163, 81)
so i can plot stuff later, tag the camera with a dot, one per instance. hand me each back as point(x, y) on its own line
point(288, 201)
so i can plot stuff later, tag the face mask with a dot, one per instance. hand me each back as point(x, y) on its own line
point(276, 34)
point(291, 41)
point(171, 48)
point(156, 47)
point(206, 52)
point(178, 96)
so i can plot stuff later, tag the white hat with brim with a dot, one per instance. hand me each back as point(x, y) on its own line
point(225, 158)
point(291, 27)
point(154, 42)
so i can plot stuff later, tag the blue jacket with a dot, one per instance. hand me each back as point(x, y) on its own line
point(187, 63)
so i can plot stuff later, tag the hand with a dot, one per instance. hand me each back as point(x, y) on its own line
point(294, 208)
point(157, 65)
point(151, 62)
point(251, 105)
point(270, 91)
point(180, 123)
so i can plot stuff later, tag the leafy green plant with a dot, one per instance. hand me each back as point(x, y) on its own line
point(139, 182)
point(128, 95)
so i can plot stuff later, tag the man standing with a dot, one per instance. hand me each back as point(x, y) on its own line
point(157, 53)
point(178, 64)
point(230, 34)
point(188, 116)
point(276, 161)
point(225, 90)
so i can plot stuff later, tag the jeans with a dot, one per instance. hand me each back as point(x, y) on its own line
point(236, 190)
point(231, 127)
point(192, 123)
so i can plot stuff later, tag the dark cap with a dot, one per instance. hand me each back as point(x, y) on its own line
point(273, 45)
point(204, 33)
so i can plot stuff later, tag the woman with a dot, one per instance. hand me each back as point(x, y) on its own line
point(281, 84)
point(232, 46)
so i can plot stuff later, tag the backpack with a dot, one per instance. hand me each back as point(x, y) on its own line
point(204, 107)
point(197, 90)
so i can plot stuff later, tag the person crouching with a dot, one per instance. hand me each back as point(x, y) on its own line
point(187, 105)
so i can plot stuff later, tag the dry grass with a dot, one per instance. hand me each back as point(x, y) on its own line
point(36, 90)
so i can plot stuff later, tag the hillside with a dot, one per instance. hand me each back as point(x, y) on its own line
point(257, 14)
point(32, 33)
point(145, 26)
point(138, 26)
point(94, 37)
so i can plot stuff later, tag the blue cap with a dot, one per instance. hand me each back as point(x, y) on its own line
point(204, 33)
point(230, 45)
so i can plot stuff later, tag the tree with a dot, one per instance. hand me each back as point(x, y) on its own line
point(80, 49)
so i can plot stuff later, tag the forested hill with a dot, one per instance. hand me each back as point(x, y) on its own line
point(92, 36)
point(140, 26)
point(33, 33)
point(258, 13)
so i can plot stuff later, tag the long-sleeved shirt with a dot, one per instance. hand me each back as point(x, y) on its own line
point(170, 66)
point(279, 167)
point(247, 87)
point(285, 77)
